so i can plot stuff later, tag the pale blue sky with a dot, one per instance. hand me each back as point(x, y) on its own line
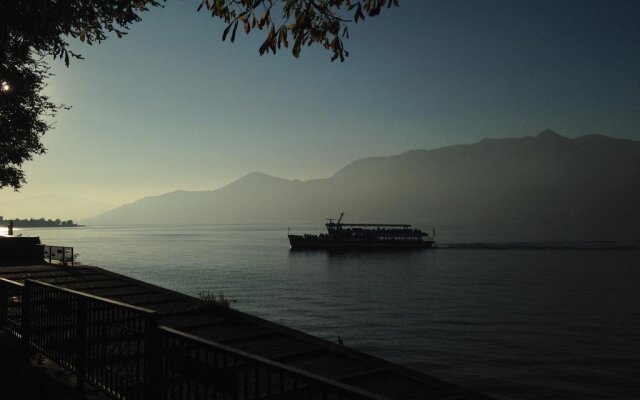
point(171, 106)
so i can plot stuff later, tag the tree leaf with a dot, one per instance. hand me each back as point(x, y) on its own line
point(233, 34)
point(226, 32)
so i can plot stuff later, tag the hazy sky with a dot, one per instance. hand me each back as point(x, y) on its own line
point(171, 106)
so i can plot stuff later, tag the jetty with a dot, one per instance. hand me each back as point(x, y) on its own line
point(134, 340)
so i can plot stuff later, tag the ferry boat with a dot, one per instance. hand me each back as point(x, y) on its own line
point(363, 236)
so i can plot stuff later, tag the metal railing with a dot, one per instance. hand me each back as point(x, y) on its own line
point(11, 306)
point(196, 368)
point(119, 349)
point(104, 342)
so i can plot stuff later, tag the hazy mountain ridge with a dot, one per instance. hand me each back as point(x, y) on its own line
point(547, 183)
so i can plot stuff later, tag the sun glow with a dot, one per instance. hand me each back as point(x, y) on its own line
point(5, 87)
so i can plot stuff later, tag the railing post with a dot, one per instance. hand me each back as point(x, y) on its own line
point(25, 317)
point(81, 341)
point(153, 373)
point(4, 304)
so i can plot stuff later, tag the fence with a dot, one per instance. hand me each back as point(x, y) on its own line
point(119, 349)
point(104, 342)
point(11, 306)
point(195, 368)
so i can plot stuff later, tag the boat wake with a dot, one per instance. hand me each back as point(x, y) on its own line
point(594, 245)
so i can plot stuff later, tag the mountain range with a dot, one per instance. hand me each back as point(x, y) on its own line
point(560, 188)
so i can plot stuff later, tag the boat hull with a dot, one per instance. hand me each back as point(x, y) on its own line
point(314, 243)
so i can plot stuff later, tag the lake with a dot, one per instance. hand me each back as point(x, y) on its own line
point(517, 321)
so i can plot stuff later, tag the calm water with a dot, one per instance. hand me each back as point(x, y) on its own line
point(521, 322)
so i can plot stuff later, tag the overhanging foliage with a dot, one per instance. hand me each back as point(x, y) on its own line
point(33, 29)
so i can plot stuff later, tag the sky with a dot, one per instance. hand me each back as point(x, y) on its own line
point(170, 106)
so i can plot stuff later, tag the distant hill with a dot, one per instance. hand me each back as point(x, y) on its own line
point(37, 223)
point(548, 184)
point(64, 207)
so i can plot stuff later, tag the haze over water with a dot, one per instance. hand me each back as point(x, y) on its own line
point(514, 323)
